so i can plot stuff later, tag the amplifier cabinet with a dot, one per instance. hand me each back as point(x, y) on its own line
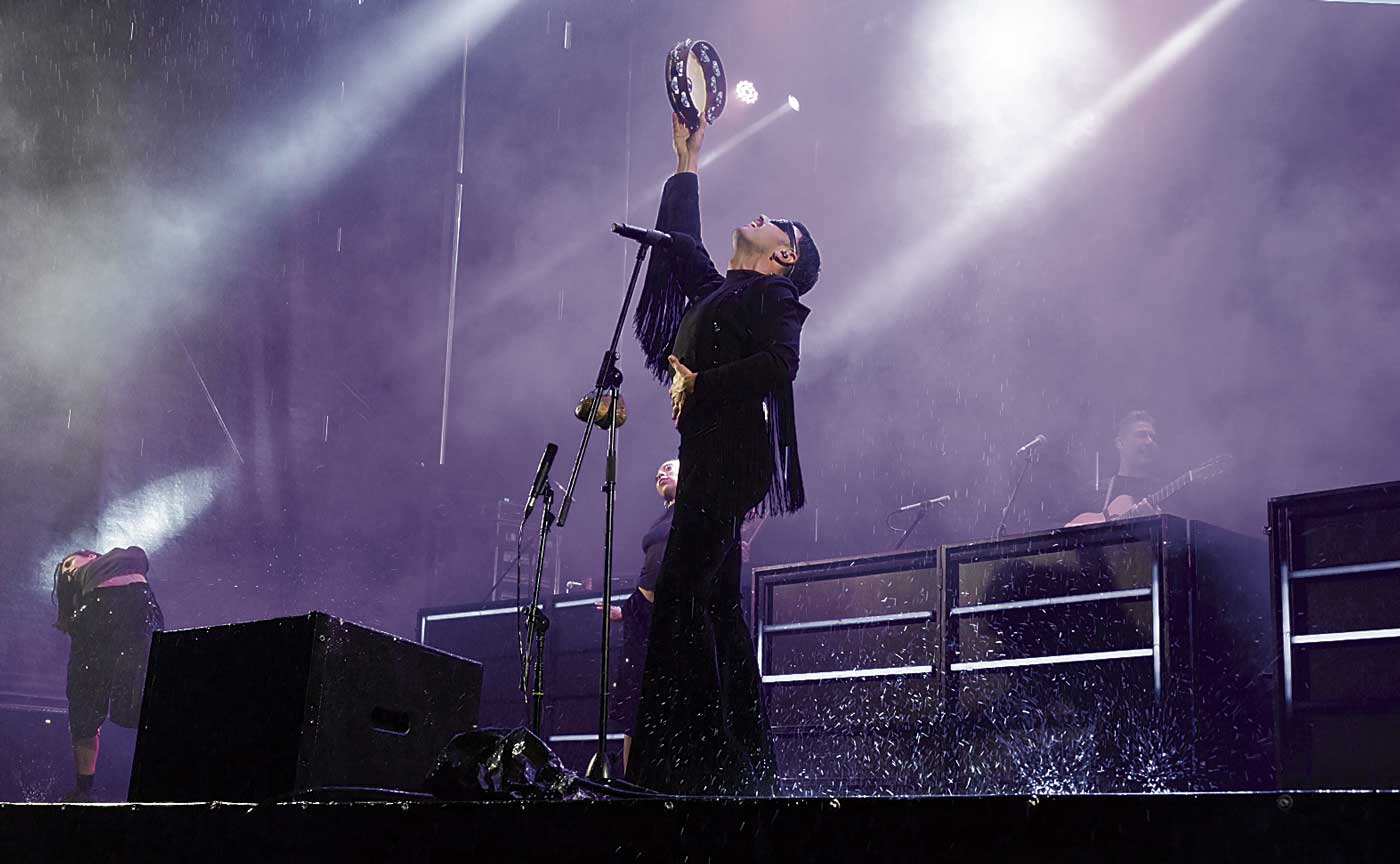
point(1335, 559)
point(1132, 656)
point(848, 654)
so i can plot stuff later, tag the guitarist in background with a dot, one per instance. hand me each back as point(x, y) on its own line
point(1137, 464)
point(1136, 490)
point(1128, 490)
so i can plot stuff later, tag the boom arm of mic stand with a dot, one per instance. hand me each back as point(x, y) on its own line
point(608, 376)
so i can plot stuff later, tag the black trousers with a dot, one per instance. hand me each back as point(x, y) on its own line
point(627, 686)
point(111, 641)
point(701, 725)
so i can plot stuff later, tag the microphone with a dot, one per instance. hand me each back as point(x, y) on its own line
point(644, 236)
point(940, 500)
point(541, 482)
point(1031, 445)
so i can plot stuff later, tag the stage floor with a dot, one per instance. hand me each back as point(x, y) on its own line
point(1235, 827)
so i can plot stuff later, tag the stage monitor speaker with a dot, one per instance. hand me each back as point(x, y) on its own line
point(278, 708)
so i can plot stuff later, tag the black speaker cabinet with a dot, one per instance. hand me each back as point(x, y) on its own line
point(1132, 656)
point(270, 709)
point(1336, 569)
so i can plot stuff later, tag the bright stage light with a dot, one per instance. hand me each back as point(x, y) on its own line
point(745, 92)
point(793, 103)
point(1001, 74)
point(922, 264)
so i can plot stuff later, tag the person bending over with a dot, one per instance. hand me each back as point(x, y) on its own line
point(106, 607)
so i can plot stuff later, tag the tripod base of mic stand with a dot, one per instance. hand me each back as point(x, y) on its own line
point(599, 769)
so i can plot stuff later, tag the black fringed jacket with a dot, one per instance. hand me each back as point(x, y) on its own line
point(739, 333)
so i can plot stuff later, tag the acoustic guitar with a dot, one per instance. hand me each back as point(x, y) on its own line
point(1126, 506)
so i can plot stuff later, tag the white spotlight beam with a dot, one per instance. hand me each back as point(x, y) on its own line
point(712, 156)
point(943, 248)
point(316, 138)
point(149, 517)
point(743, 135)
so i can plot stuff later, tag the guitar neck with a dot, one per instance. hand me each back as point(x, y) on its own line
point(1167, 491)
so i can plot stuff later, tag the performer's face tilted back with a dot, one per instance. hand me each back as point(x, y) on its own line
point(764, 247)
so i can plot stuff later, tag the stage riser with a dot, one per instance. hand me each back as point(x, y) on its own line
point(1161, 684)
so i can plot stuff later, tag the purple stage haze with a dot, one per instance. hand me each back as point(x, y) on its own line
point(228, 233)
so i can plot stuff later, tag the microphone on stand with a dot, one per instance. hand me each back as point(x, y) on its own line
point(644, 236)
point(541, 481)
point(940, 500)
point(1031, 445)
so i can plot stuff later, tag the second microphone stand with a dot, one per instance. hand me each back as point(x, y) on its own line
point(1015, 488)
point(536, 622)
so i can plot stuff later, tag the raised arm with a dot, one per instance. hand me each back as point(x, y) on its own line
point(680, 214)
point(684, 272)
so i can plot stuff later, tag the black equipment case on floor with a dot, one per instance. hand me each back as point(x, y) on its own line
point(278, 708)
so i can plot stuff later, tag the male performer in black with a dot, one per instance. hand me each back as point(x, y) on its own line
point(731, 344)
point(635, 612)
point(106, 607)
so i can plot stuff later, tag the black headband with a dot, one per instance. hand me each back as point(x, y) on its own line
point(809, 261)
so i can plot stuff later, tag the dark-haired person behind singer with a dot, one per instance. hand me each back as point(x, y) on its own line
point(106, 607)
point(729, 344)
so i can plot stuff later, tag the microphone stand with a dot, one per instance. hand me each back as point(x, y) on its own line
point(536, 622)
point(923, 511)
point(1015, 488)
point(610, 380)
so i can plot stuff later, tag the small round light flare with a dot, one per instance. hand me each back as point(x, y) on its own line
point(745, 92)
point(793, 103)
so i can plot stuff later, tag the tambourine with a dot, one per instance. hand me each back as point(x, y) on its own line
point(695, 82)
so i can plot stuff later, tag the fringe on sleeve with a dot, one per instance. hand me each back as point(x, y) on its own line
point(659, 310)
point(785, 492)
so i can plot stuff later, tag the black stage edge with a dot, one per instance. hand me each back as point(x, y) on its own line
point(1235, 827)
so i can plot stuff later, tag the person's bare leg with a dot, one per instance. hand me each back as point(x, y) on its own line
point(85, 755)
point(626, 751)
